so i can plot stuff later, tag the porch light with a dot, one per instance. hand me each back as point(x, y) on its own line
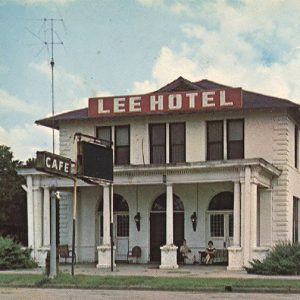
point(194, 220)
point(137, 219)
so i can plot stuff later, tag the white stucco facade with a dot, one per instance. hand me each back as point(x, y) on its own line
point(263, 184)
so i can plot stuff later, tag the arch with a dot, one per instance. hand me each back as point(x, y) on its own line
point(160, 204)
point(158, 225)
point(120, 204)
point(221, 201)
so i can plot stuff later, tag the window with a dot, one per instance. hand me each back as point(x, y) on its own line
point(296, 146)
point(122, 146)
point(217, 225)
point(214, 140)
point(220, 211)
point(122, 225)
point(104, 133)
point(235, 139)
point(157, 143)
point(295, 220)
point(177, 142)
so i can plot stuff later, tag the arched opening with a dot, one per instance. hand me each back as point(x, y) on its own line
point(121, 225)
point(220, 220)
point(158, 225)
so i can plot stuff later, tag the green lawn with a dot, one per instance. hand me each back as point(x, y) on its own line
point(144, 282)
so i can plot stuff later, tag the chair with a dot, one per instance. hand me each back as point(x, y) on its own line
point(135, 253)
point(65, 252)
point(202, 257)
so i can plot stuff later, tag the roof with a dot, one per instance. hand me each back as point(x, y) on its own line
point(251, 100)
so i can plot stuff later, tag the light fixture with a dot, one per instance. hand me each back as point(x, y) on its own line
point(194, 220)
point(137, 219)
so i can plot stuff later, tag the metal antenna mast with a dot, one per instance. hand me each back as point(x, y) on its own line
point(52, 75)
point(52, 41)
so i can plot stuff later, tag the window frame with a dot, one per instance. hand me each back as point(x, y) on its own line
point(235, 141)
point(151, 142)
point(208, 155)
point(173, 144)
point(123, 146)
point(110, 133)
point(296, 141)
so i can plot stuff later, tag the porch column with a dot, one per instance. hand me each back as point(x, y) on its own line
point(104, 250)
point(46, 219)
point(38, 224)
point(247, 216)
point(30, 219)
point(169, 221)
point(237, 215)
point(169, 251)
point(106, 216)
point(235, 252)
point(253, 215)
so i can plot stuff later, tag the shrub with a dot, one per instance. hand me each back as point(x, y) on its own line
point(283, 259)
point(13, 256)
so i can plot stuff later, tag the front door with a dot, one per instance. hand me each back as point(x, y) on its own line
point(158, 233)
point(121, 235)
point(220, 229)
point(158, 225)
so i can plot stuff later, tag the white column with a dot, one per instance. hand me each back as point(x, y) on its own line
point(247, 216)
point(38, 214)
point(169, 200)
point(253, 215)
point(169, 251)
point(46, 219)
point(106, 220)
point(237, 215)
point(104, 250)
point(30, 217)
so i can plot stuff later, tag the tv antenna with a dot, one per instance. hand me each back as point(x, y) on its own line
point(48, 24)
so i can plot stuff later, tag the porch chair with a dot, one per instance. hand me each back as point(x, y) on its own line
point(65, 252)
point(135, 253)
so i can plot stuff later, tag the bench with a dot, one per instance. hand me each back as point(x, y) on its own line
point(135, 253)
point(65, 252)
point(221, 257)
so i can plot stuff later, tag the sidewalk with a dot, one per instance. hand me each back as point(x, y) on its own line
point(123, 269)
point(190, 271)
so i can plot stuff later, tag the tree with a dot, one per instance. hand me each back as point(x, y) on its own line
point(13, 220)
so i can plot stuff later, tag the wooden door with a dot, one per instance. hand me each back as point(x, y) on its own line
point(157, 235)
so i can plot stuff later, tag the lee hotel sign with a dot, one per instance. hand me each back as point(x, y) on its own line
point(166, 102)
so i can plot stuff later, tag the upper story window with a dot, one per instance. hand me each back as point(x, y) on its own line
point(104, 133)
point(157, 143)
point(235, 139)
point(122, 145)
point(177, 142)
point(214, 137)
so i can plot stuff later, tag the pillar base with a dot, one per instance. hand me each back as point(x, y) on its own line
point(168, 257)
point(104, 257)
point(41, 255)
point(235, 258)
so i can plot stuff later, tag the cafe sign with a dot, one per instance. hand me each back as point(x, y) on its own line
point(188, 101)
point(53, 164)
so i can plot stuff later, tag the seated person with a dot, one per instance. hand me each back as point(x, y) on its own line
point(210, 253)
point(186, 252)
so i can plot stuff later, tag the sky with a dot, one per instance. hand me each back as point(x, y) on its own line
point(122, 47)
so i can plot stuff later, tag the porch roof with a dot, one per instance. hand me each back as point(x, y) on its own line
point(193, 172)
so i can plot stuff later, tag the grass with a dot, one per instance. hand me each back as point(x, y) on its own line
point(64, 280)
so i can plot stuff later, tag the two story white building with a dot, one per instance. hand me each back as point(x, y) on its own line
point(195, 160)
